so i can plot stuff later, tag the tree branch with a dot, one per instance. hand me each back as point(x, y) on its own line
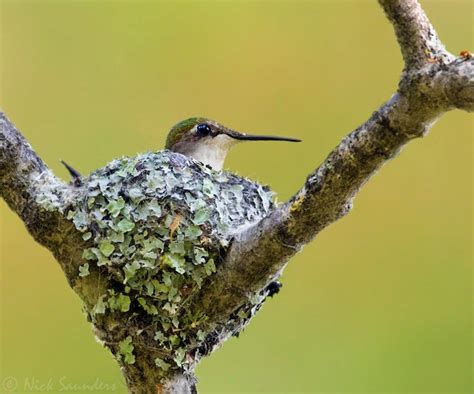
point(416, 36)
point(433, 82)
point(41, 199)
point(140, 239)
point(29, 187)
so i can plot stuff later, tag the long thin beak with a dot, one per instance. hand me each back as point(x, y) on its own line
point(250, 137)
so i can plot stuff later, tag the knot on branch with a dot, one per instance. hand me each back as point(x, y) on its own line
point(457, 83)
point(439, 87)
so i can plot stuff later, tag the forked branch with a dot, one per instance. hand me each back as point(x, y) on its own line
point(432, 83)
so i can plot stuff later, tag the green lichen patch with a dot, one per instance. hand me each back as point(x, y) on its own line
point(157, 224)
point(126, 350)
point(84, 270)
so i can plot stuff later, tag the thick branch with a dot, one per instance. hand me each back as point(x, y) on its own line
point(28, 186)
point(141, 380)
point(259, 254)
point(38, 197)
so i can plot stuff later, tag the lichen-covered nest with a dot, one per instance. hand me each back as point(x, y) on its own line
point(158, 223)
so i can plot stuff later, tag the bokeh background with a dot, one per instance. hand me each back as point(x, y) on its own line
point(380, 302)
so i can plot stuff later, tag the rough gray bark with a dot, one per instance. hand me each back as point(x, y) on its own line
point(432, 83)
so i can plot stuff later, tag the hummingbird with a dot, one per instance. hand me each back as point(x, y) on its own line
point(207, 141)
point(202, 139)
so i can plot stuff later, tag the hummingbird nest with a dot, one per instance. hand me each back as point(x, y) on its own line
point(157, 226)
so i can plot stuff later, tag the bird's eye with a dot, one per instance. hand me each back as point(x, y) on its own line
point(203, 129)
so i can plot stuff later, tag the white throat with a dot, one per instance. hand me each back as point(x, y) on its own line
point(211, 151)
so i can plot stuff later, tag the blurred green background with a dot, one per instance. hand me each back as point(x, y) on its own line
point(380, 302)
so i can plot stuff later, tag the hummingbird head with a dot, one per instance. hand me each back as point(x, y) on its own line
point(208, 141)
